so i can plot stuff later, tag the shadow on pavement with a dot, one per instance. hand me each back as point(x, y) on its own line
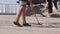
point(55, 15)
point(46, 25)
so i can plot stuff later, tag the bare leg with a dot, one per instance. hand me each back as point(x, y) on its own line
point(24, 16)
point(49, 15)
point(21, 9)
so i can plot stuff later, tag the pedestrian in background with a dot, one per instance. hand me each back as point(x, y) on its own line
point(50, 6)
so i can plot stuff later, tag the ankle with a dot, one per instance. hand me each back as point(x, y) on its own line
point(24, 22)
point(16, 22)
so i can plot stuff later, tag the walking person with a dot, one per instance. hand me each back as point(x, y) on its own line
point(21, 11)
point(50, 6)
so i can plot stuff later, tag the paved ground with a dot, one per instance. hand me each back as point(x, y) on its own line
point(49, 25)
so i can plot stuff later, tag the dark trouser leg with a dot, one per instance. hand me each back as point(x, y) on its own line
point(55, 4)
point(50, 6)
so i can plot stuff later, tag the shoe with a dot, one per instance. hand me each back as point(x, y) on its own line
point(16, 23)
point(26, 24)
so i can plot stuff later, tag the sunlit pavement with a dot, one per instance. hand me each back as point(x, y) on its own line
point(49, 25)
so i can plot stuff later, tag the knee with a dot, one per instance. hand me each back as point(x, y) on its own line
point(24, 6)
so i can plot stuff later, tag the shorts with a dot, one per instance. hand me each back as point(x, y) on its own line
point(23, 3)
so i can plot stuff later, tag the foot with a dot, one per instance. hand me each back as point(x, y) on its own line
point(49, 15)
point(16, 23)
point(26, 24)
point(39, 24)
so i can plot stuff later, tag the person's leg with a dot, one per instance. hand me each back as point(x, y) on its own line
point(21, 9)
point(55, 4)
point(21, 12)
point(24, 19)
point(49, 8)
